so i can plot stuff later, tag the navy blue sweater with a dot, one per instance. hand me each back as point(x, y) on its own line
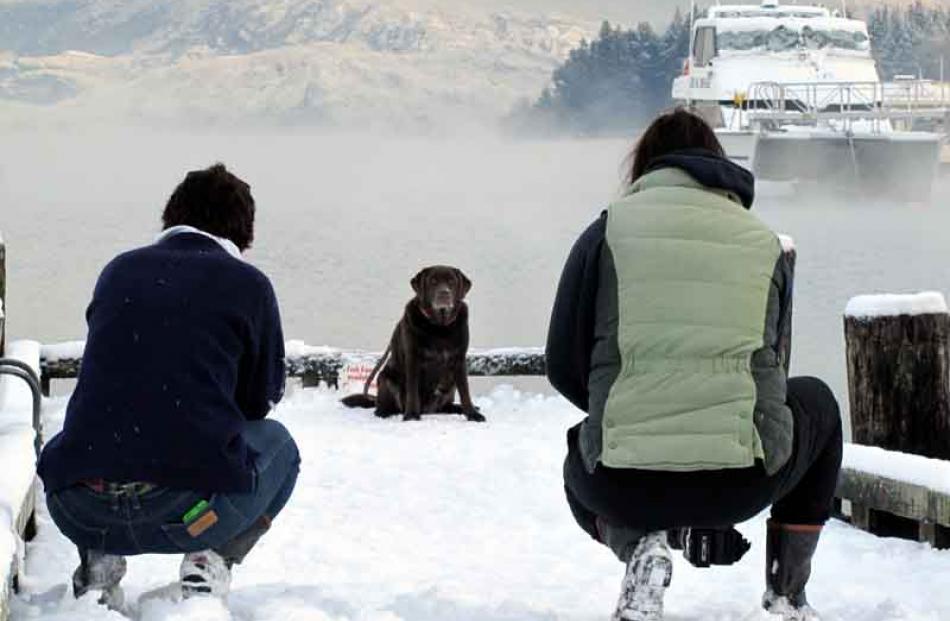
point(184, 346)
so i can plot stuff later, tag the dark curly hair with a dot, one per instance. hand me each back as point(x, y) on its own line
point(215, 201)
point(673, 131)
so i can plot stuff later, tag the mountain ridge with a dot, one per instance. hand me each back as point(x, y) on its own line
point(321, 61)
point(388, 63)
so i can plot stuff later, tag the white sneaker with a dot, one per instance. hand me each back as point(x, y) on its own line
point(113, 598)
point(780, 605)
point(648, 574)
point(205, 573)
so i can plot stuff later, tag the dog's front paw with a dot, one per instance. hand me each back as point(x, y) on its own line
point(411, 417)
point(475, 417)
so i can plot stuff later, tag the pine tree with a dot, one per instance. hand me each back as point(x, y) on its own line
point(619, 80)
point(910, 42)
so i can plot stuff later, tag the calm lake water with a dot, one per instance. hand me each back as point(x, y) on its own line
point(345, 221)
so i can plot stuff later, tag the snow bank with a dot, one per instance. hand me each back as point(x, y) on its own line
point(931, 473)
point(445, 520)
point(886, 305)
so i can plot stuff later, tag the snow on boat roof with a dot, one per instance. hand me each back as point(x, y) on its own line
point(768, 22)
point(889, 305)
point(744, 18)
point(749, 10)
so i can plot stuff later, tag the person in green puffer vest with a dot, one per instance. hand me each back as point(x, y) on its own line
point(672, 330)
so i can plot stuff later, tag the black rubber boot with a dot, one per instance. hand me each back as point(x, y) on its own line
point(238, 548)
point(789, 549)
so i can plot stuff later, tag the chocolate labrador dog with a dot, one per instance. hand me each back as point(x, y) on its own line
point(425, 362)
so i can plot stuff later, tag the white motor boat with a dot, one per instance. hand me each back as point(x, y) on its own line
point(794, 94)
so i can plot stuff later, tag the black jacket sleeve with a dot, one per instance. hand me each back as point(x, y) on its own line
point(571, 331)
point(787, 271)
point(263, 385)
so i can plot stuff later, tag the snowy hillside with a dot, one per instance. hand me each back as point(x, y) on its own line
point(340, 61)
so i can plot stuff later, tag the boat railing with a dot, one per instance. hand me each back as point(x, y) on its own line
point(842, 104)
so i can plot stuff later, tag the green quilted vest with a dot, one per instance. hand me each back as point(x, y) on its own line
point(693, 275)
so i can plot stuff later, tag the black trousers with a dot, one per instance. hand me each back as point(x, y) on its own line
point(801, 492)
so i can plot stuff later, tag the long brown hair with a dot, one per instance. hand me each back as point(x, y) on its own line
point(672, 131)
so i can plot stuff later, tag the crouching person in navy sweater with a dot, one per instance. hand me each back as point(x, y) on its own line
point(165, 447)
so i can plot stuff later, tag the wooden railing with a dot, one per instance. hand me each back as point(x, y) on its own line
point(316, 365)
point(898, 355)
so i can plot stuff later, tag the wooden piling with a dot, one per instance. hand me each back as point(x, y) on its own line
point(899, 382)
point(898, 360)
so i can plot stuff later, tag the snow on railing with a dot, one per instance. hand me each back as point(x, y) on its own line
point(892, 305)
point(881, 483)
point(788, 243)
point(18, 443)
point(912, 469)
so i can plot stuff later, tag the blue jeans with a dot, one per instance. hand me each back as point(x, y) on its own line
point(126, 524)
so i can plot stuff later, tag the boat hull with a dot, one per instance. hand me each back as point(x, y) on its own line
point(739, 145)
point(902, 164)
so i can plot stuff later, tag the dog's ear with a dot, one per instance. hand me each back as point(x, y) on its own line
point(465, 283)
point(418, 281)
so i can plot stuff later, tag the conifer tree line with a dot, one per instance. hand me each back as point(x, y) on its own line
point(911, 40)
point(624, 76)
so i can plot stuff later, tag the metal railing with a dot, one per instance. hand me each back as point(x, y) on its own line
point(880, 103)
point(20, 369)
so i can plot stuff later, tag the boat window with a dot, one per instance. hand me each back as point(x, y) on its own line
point(704, 47)
point(783, 38)
point(841, 39)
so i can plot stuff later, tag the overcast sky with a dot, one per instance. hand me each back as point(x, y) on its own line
point(629, 11)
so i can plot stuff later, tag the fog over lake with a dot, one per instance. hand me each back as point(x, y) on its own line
point(344, 221)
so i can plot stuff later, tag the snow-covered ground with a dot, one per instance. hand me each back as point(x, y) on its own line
point(449, 521)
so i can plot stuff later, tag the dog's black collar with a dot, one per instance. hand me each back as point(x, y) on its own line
point(431, 317)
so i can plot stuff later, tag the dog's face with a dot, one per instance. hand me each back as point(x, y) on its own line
point(440, 290)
